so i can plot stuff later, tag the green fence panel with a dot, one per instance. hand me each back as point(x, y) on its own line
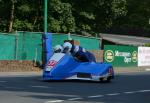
point(21, 46)
point(86, 42)
point(7, 47)
point(58, 39)
point(121, 56)
point(29, 46)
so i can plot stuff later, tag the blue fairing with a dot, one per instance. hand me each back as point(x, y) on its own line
point(67, 66)
point(92, 68)
point(62, 69)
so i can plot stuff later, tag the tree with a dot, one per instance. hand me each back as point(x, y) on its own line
point(4, 12)
point(85, 17)
point(136, 22)
point(94, 16)
point(29, 15)
point(60, 17)
point(11, 15)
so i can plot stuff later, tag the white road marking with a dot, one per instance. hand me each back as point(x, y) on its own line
point(143, 91)
point(54, 101)
point(130, 92)
point(95, 96)
point(71, 96)
point(39, 86)
point(113, 94)
point(3, 81)
point(12, 87)
point(71, 99)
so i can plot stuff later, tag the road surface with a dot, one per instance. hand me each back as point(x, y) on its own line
point(125, 88)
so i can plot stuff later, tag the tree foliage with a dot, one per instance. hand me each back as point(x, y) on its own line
point(136, 22)
point(60, 17)
point(85, 17)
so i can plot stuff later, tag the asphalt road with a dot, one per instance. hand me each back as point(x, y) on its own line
point(125, 88)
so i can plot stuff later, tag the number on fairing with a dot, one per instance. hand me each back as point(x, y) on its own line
point(54, 60)
point(51, 63)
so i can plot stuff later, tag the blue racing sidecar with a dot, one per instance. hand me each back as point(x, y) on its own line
point(63, 67)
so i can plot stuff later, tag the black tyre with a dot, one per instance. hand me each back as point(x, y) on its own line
point(105, 79)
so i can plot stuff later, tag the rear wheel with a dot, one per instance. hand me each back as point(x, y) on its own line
point(108, 76)
point(105, 79)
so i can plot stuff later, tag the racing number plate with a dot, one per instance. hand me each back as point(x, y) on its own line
point(51, 64)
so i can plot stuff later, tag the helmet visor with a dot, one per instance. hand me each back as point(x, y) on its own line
point(58, 51)
point(66, 49)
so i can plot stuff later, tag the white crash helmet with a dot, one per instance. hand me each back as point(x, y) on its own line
point(58, 49)
point(67, 47)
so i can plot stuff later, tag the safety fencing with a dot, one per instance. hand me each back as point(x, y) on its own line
point(28, 45)
point(121, 56)
point(127, 56)
point(7, 47)
point(20, 46)
point(23, 51)
point(143, 56)
point(89, 43)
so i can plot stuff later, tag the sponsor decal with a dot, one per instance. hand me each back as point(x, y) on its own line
point(125, 55)
point(134, 56)
point(51, 63)
point(54, 60)
point(109, 56)
point(128, 57)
